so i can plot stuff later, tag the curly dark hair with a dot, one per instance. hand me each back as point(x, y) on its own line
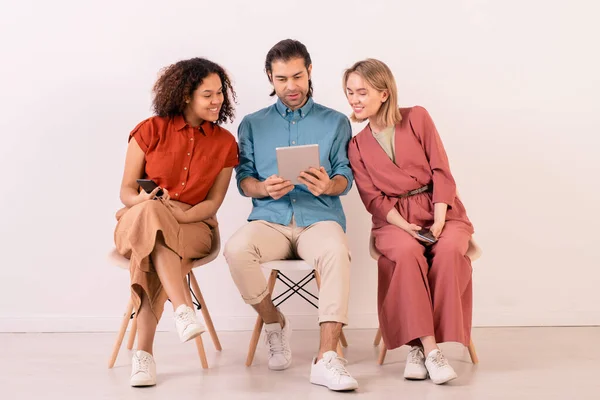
point(180, 80)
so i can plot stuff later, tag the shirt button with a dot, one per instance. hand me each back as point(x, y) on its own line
point(182, 183)
point(293, 200)
point(191, 138)
point(189, 154)
point(293, 122)
point(185, 168)
point(293, 142)
point(176, 194)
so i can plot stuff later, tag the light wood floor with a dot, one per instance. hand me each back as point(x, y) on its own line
point(515, 363)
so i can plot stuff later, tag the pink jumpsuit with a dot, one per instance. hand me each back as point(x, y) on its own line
point(423, 291)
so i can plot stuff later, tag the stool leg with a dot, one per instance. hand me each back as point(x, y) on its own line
point(343, 339)
point(201, 352)
point(121, 334)
point(377, 337)
point(254, 340)
point(339, 350)
point(382, 353)
point(259, 322)
point(473, 353)
point(198, 339)
point(132, 332)
point(205, 314)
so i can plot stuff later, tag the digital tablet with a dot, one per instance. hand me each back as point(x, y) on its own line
point(293, 160)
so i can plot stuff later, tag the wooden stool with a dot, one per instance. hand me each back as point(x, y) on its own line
point(276, 268)
point(194, 290)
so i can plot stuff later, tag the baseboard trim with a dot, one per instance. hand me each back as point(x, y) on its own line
point(300, 322)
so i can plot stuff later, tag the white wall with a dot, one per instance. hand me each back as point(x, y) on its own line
point(512, 85)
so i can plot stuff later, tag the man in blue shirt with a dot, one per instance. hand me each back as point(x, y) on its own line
point(295, 221)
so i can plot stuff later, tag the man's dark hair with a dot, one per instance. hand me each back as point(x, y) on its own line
point(284, 51)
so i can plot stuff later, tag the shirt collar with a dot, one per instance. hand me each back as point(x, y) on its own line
point(283, 110)
point(206, 127)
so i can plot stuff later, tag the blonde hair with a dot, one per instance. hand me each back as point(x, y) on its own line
point(378, 75)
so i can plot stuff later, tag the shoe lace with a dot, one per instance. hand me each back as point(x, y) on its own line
point(185, 316)
point(415, 355)
point(275, 342)
point(142, 363)
point(337, 365)
point(440, 360)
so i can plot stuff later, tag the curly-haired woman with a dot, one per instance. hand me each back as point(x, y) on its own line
point(190, 157)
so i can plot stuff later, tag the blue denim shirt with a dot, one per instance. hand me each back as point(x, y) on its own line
point(277, 126)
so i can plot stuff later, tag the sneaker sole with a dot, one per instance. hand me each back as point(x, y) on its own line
point(413, 373)
point(415, 377)
point(441, 382)
point(143, 383)
point(192, 334)
point(334, 387)
point(281, 368)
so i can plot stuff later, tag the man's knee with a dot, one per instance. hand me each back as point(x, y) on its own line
point(238, 250)
point(334, 254)
point(335, 247)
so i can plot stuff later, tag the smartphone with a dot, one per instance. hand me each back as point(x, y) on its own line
point(149, 185)
point(426, 235)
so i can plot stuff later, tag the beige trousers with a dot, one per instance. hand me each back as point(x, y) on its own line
point(135, 238)
point(323, 245)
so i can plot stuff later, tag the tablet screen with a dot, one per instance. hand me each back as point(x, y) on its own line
point(293, 160)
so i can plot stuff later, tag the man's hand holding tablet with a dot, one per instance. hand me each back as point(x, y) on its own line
point(276, 187)
point(316, 180)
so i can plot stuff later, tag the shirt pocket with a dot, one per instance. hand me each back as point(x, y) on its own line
point(204, 168)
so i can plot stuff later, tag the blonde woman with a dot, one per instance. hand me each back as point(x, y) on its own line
point(404, 179)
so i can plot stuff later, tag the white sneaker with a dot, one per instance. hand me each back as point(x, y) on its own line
point(439, 369)
point(330, 371)
point(187, 325)
point(143, 369)
point(277, 340)
point(415, 364)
